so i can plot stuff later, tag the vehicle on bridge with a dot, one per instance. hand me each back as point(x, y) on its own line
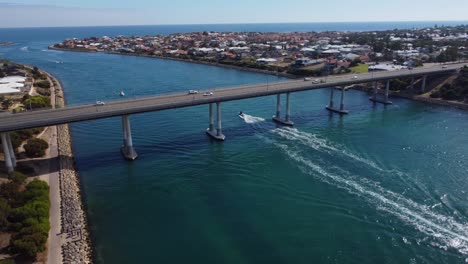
point(100, 103)
point(208, 94)
point(192, 92)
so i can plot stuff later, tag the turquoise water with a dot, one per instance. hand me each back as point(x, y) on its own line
point(382, 185)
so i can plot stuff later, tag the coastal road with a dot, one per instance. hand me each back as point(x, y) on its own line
point(178, 100)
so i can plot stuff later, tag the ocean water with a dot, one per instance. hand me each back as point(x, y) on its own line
point(382, 185)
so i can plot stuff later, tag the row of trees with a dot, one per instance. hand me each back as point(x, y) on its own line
point(43, 84)
point(35, 102)
point(37, 75)
point(24, 210)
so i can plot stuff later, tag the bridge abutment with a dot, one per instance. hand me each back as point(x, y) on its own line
point(127, 149)
point(8, 152)
point(287, 119)
point(218, 133)
point(331, 107)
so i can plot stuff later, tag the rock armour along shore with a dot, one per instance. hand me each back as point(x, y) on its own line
point(76, 247)
point(76, 243)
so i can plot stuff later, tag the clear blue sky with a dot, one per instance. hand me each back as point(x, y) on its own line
point(24, 13)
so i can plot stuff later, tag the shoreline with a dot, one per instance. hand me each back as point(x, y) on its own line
point(227, 66)
point(72, 234)
point(417, 98)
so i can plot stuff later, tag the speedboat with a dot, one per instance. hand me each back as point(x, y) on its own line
point(241, 115)
point(122, 93)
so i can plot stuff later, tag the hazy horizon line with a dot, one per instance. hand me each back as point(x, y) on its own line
point(246, 23)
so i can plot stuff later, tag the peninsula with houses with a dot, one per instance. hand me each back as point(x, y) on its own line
point(308, 54)
point(294, 53)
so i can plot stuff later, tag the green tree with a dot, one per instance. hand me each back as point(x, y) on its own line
point(4, 212)
point(35, 147)
point(35, 102)
point(42, 84)
point(6, 103)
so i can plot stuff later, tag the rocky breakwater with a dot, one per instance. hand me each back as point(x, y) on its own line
point(76, 244)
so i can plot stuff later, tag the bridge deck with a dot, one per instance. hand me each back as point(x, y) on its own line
point(162, 102)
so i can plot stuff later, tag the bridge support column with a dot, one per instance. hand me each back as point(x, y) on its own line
point(211, 127)
point(277, 118)
point(412, 85)
point(374, 95)
point(278, 106)
point(7, 153)
point(288, 108)
point(331, 108)
point(127, 149)
point(423, 86)
point(342, 99)
point(330, 105)
point(12, 150)
point(218, 134)
point(387, 89)
point(385, 100)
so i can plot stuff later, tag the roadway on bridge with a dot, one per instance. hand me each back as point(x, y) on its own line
point(177, 100)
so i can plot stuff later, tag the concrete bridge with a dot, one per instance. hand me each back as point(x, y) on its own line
point(125, 108)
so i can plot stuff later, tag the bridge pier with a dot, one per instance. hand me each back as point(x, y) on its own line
point(341, 110)
point(385, 100)
point(412, 85)
point(7, 153)
point(127, 149)
point(423, 86)
point(277, 118)
point(218, 134)
point(12, 151)
point(374, 95)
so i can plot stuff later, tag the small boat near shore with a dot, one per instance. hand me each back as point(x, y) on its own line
point(122, 93)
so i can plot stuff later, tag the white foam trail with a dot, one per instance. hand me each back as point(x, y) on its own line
point(448, 232)
point(316, 143)
point(24, 48)
point(252, 119)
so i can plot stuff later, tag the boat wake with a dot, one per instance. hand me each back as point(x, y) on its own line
point(317, 143)
point(25, 48)
point(252, 119)
point(440, 230)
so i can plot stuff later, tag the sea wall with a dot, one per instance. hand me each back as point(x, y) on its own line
point(76, 243)
point(76, 248)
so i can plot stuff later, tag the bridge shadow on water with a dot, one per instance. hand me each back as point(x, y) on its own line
point(186, 143)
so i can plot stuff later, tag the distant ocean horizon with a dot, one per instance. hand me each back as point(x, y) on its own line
point(12, 34)
point(385, 184)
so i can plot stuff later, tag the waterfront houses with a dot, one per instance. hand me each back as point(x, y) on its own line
point(300, 53)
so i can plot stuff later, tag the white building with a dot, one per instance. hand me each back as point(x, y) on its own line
point(11, 84)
